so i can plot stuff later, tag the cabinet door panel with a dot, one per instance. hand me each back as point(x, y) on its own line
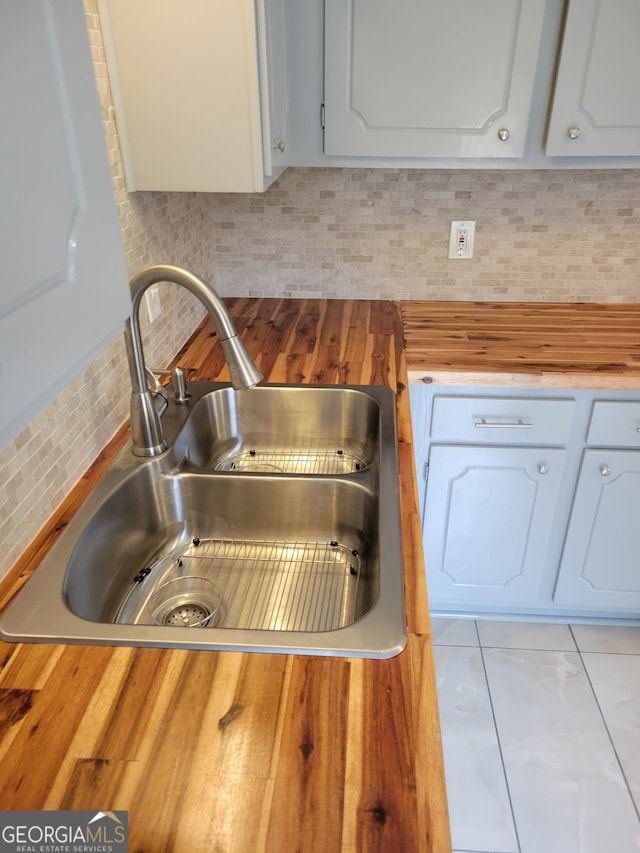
point(64, 294)
point(487, 522)
point(600, 565)
point(597, 84)
point(420, 78)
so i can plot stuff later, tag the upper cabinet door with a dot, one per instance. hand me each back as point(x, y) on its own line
point(429, 78)
point(63, 293)
point(596, 106)
point(199, 91)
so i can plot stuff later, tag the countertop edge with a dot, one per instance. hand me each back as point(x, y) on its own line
point(588, 381)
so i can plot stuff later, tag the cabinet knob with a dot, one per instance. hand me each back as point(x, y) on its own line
point(543, 468)
point(605, 470)
point(503, 134)
point(279, 146)
point(574, 132)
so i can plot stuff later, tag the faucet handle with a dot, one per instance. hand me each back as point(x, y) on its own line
point(178, 380)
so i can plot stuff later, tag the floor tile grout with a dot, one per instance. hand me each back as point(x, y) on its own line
point(607, 729)
point(495, 724)
point(612, 652)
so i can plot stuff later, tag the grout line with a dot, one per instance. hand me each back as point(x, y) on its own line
point(528, 649)
point(495, 725)
point(612, 652)
point(611, 741)
point(573, 636)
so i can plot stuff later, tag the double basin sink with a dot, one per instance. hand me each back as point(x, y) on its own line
point(271, 523)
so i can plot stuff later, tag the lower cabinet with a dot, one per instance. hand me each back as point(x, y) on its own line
point(530, 503)
point(489, 514)
point(600, 566)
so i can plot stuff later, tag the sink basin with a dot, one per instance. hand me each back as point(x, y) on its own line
point(198, 548)
point(294, 555)
point(276, 429)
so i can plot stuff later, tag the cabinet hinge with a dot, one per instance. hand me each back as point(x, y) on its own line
point(322, 115)
point(425, 470)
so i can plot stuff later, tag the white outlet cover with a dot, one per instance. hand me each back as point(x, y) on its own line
point(461, 239)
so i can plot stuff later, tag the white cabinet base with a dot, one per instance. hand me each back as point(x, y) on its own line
point(546, 532)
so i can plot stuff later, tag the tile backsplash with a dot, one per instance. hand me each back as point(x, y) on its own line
point(384, 234)
point(358, 233)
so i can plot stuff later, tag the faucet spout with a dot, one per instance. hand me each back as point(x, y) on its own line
point(146, 429)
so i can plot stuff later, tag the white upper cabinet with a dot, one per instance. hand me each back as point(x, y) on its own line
point(64, 295)
point(426, 78)
point(596, 106)
point(200, 92)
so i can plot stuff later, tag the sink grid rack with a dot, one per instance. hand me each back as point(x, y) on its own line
point(334, 462)
point(271, 585)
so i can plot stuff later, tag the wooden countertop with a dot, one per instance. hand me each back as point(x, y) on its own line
point(522, 343)
point(243, 752)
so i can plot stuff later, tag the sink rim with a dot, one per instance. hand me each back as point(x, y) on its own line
point(38, 610)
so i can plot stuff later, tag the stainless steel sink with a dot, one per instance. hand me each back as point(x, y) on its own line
point(276, 429)
point(208, 546)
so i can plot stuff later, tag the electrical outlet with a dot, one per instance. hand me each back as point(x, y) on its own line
point(154, 308)
point(461, 239)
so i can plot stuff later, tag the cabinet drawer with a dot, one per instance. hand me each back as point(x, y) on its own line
point(501, 420)
point(615, 423)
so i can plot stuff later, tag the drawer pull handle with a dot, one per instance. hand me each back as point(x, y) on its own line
point(543, 468)
point(483, 423)
point(605, 470)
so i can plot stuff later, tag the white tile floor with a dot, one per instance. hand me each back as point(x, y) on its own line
point(541, 733)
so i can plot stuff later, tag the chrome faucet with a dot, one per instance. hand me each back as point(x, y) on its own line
point(146, 429)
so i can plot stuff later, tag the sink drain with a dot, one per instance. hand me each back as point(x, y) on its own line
point(187, 602)
point(188, 616)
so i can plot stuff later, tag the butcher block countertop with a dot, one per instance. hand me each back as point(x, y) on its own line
point(559, 345)
point(233, 752)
